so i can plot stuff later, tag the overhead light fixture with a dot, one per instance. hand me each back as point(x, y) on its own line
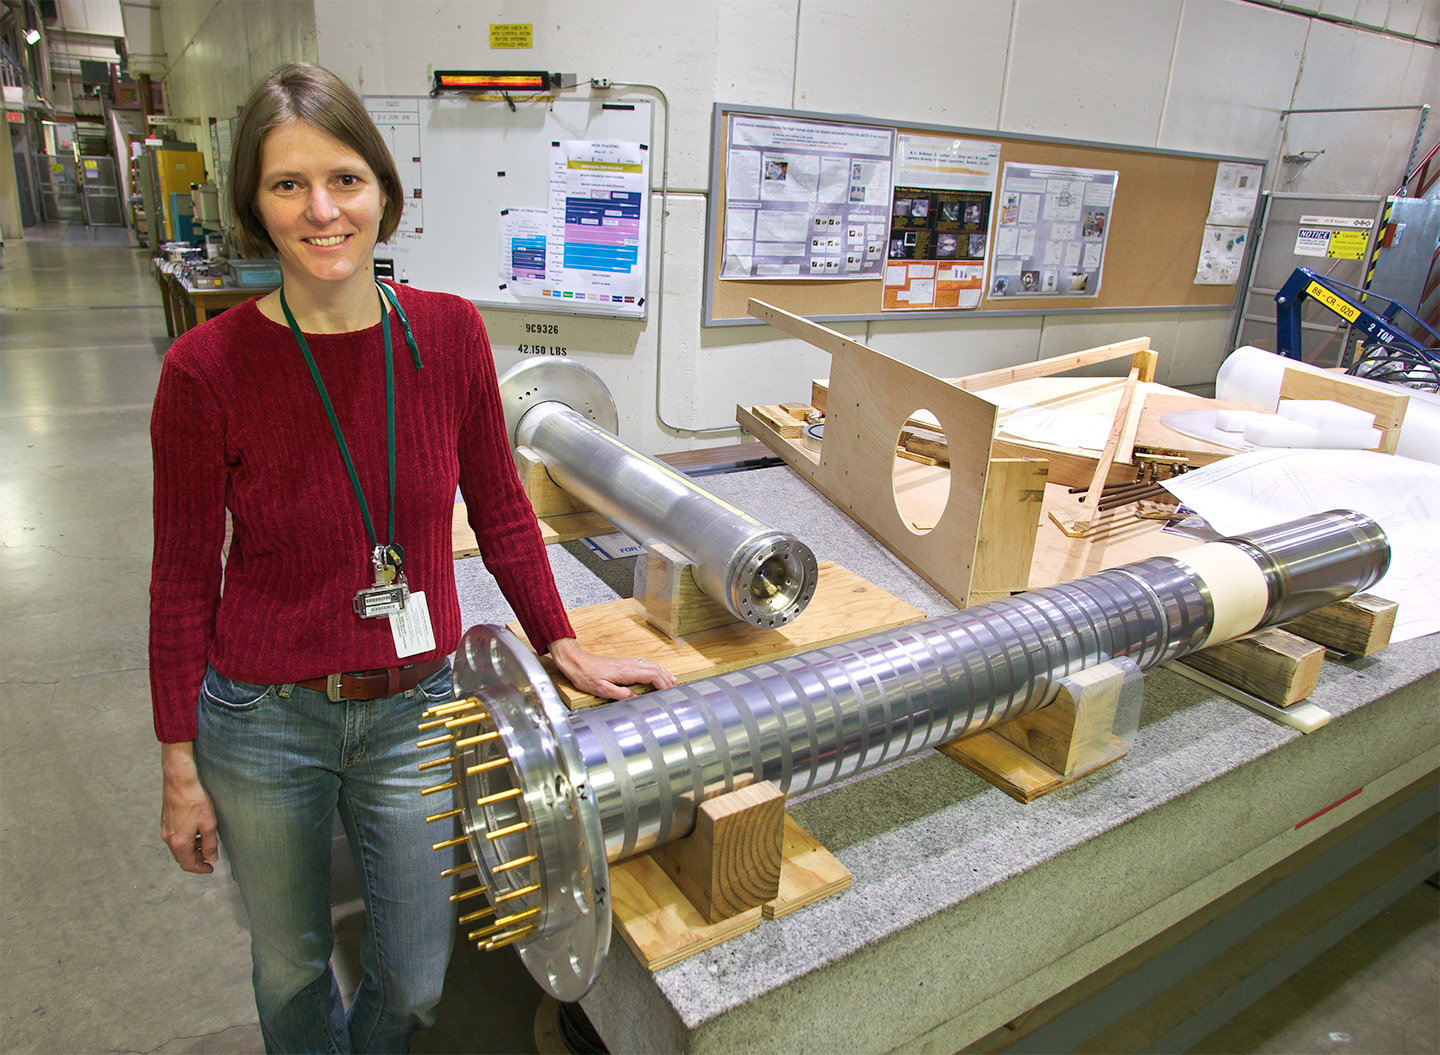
point(32, 35)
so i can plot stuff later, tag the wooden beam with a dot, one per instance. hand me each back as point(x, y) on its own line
point(1056, 364)
point(1360, 625)
point(1081, 524)
point(1277, 666)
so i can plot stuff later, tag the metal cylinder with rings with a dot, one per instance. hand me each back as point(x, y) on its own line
point(548, 798)
point(563, 412)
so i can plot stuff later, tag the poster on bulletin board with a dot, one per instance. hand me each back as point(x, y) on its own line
point(1051, 230)
point(939, 222)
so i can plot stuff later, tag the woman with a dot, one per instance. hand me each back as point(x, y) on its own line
point(335, 439)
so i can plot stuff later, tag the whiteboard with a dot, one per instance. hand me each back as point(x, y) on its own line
point(545, 207)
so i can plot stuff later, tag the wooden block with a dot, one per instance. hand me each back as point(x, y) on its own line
point(1009, 523)
point(808, 873)
point(1360, 625)
point(779, 419)
point(1388, 407)
point(1019, 774)
point(922, 459)
point(731, 861)
point(844, 606)
point(1073, 732)
point(798, 410)
point(672, 600)
point(1273, 664)
point(932, 445)
point(658, 922)
point(547, 498)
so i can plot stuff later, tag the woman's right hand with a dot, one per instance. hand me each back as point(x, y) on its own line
point(187, 819)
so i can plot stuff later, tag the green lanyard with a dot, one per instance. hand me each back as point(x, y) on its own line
point(335, 423)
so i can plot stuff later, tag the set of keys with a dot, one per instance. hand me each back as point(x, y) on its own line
point(390, 591)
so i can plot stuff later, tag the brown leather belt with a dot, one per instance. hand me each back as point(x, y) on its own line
point(372, 684)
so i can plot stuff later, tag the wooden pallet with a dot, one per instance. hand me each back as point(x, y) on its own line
point(844, 606)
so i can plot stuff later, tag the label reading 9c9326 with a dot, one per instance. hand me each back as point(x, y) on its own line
point(549, 329)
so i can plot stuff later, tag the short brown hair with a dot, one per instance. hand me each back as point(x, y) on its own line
point(300, 91)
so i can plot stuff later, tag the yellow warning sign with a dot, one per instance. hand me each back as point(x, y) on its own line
point(511, 35)
point(1348, 311)
point(1348, 245)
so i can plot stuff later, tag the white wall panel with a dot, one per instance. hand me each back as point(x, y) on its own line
point(1428, 27)
point(1235, 70)
point(1344, 10)
point(912, 60)
point(1403, 16)
point(1201, 345)
point(672, 45)
point(101, 17)
point(1075, 333)
point(951, 348)
point(755, 53)
point(1364, 152)
point(1093, 71)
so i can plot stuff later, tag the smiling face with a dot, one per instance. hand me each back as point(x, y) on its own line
point(321, 205)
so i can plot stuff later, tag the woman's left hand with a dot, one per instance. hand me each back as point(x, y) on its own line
point(609, 677)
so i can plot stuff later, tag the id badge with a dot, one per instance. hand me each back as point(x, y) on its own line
point(411, 628)
point(390, 591)
point(378, 602)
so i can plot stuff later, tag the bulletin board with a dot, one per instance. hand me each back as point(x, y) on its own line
point(1157, 223)
point(485, 178)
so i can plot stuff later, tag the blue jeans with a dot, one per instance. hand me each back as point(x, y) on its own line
point(278, 761)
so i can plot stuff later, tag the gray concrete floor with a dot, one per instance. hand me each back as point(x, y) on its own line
point(106, 946)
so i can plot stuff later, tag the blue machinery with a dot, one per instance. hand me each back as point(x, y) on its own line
point(1391, 354)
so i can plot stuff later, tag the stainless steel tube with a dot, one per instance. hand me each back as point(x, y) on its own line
point(627, 776)
point(760, 574)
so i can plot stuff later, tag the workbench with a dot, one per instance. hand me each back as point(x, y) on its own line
point(187, 306)
point(969, 909)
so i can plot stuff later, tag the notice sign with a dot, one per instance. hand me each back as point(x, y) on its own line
point(1336, 237)
point(511, 35)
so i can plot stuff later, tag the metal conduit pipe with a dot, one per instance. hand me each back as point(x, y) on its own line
point(549, 797)
point(564, 412)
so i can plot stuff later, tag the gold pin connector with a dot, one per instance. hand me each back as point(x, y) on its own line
point(466, 895)
point(469, 719)
point(435, 762)
point(441, 787)
point(451, 842)
point(503, 923)
point(481, 738)
point(499, 796)
point(519, 862)
point(468, 866)
point(485, 767)
point(442, 816)
point(500, 833)
point(434, 740)
point(452, 707)
point(508, 939)
point(479, 913)
point(532, 888)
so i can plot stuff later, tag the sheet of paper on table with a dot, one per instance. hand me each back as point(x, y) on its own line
point(1255, 490)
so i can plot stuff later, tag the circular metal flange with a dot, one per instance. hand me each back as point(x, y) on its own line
point(551, 855)
point(547, 380)
point(772, 580)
